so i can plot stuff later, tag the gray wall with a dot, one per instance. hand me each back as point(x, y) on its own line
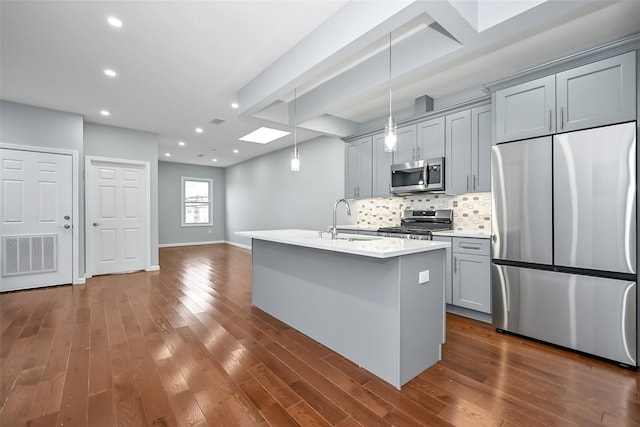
point(128, 144)
point(264, 194)
point(169, 204)
point(40, 127)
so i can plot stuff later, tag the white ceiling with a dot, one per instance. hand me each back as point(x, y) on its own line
point(180, 64)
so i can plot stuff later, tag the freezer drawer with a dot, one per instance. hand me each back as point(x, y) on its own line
point(590, 314)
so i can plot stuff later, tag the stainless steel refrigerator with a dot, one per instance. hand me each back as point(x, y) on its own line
point(564, 247)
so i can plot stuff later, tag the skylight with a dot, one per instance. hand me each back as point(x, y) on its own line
point(264, 135)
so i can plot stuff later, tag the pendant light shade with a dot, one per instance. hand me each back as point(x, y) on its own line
point(295, 156)
point(295, 160)
point(391, 128)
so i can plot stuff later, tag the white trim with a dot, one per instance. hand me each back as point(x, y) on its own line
point(228, 242)
point(88, 162)
point(182, 203)
point(75, 194)
point(81, 281)
point(153, 268)
point(175, 245)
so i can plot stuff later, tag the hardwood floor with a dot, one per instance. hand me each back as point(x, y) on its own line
point(183, 347)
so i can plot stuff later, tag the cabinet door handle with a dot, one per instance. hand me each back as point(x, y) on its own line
point(455, 265)
point(561, 117)
point(413, 156)
point(418, 153)
point(474, 182)
point(550, 117)
point(467, 182)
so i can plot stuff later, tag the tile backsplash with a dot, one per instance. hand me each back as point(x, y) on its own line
point(471, 212)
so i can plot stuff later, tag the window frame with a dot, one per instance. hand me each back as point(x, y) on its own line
point(209, 182)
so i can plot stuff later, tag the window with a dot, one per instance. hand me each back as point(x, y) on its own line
point(197, 201)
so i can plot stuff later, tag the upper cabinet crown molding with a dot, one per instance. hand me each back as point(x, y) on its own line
point(605, 51)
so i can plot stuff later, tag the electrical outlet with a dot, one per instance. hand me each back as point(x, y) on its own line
point(423, 277)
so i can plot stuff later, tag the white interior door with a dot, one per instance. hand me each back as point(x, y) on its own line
point(117, 206)
point(37, 234)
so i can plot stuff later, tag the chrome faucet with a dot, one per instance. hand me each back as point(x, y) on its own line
point(334, 230)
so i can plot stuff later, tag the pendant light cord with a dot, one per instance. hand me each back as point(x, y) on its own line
point(389, 74)
point(295, 120)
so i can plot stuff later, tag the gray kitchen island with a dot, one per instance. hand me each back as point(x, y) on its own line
point(378, 302)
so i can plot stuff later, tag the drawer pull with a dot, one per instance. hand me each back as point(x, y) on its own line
point(476, 248)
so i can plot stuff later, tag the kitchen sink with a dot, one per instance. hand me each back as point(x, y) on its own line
point(349, 237)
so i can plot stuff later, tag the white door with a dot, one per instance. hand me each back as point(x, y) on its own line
point(37, 236)
point(117, 206)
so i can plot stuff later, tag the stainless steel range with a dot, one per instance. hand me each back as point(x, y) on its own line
point(419, 224)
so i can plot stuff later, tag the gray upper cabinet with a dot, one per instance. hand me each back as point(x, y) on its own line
point(526, 110)
point(458, 147)
point(430, 139)
point(358, 165)
point(406, 150)
point(481, 142)
point(597, 94)
point(469, 137)
point(381, 168)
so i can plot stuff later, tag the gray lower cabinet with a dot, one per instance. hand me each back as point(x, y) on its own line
point(381, 168)
point(358, 165)
point(469, 137)
point(447, 269)
point(591, 95)
point(471, 279)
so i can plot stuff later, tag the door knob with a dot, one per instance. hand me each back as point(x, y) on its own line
point(66, 226)
point(95, 224)
point(67, 217)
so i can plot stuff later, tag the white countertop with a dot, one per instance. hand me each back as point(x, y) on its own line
point(472, 234)
point(371, 246)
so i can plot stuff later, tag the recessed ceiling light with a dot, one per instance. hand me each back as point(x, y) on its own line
point(234, 105)
point(110, 72)
point(167, 154)
point(105, 113)
point(199, 130)
point(214, 160)
point(264, 135)
point(112, 20)
point(181, 143)
point(235, 151)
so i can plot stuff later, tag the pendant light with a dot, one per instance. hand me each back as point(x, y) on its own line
point(295, 156)
point(391, 128)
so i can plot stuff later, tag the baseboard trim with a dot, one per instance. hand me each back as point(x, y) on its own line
point(81, 281)
point(238, 245)
point(174, 245)
point(472, 314)
point(152, 268)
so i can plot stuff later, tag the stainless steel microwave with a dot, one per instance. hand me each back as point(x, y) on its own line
point(418, 177)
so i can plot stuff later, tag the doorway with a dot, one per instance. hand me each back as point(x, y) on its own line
point(117, 215)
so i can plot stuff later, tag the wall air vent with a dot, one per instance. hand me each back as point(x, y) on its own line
point(29, 254)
